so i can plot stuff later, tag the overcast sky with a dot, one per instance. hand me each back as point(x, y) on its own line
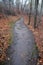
point(28, 1)
point(21, 1)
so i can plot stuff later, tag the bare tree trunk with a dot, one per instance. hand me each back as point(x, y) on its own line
point(35, 18)
point(40, 14)
point(9, 7)
point(17, 5)
point(22, 6)
point(4, 9)
point(25, 3)
point(30, 12)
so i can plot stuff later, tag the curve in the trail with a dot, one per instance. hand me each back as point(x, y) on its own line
point(23, 50)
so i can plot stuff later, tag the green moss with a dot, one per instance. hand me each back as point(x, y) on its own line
point(11, 24)
point(2, 63)
point(35, 50)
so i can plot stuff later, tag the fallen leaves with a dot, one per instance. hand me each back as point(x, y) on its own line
point(5, 35)
point(38, 34)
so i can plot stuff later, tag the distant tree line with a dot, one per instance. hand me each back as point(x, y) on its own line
point(7, 7)
point(29, 7)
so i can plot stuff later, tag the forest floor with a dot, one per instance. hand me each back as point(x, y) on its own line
point(23, 50)
point(38, 34)
point(5, 34)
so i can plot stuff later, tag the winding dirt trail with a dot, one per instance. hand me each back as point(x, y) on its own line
point(23, 49)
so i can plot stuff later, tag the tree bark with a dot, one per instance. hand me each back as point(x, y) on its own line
point(35, 17)
point(30, 12)
point(40, 14)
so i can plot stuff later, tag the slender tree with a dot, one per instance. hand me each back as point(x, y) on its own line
point(17, 4)
point(4, 6)
point(12, 7)
point(25, 3)
point(22, 6)
point(36, 9)
point(30, 12)
point(40, 13)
